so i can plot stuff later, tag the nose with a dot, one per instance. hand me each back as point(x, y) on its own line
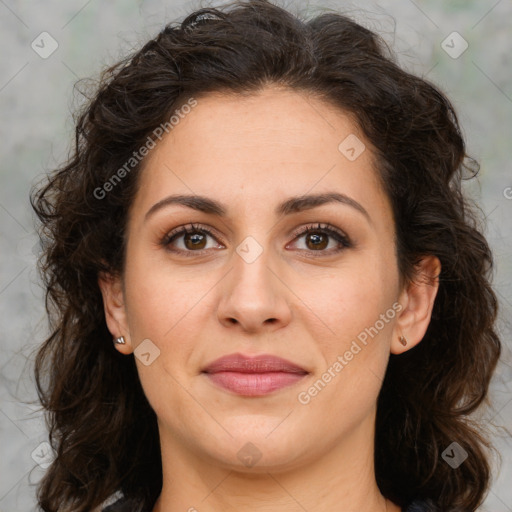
point(254, 297)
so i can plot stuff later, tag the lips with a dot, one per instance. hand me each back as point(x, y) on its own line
point(253, 376)
point(257, 364)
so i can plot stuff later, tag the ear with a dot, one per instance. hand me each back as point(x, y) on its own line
point(115, 314)
point(417, 299)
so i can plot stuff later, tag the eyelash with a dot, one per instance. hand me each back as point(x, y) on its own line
point(327, 229)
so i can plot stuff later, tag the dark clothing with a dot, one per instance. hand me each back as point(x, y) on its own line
point(422, 506)
point(124, 505)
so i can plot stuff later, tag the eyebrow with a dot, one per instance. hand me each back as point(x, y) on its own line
point(292, 205)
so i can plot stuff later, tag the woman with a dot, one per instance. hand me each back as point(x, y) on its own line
point(266, 289)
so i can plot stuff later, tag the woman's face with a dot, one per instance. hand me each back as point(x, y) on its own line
point(256, 285)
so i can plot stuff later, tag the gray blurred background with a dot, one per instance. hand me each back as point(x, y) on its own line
point(47, 46)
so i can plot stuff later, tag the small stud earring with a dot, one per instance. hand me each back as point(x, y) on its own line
point(120, 341)
point(402, 340)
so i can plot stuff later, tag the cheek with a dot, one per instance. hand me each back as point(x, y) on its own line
point(357, 305)
point(163, 306)
point(351, 300)
point(358, 309)
point(162, 300)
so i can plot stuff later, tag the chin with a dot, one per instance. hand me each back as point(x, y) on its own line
point(258, 446)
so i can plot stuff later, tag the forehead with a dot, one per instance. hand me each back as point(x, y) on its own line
point(263, 147)
point(297, 121)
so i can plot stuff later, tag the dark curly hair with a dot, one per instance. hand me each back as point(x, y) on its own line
point(102, 428)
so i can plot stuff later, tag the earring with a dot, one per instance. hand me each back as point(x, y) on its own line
point(119, 341)
point(402, 340)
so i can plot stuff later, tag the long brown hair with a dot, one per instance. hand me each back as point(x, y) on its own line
point(102, 428)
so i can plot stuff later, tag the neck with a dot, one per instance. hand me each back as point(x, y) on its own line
point(340, 479)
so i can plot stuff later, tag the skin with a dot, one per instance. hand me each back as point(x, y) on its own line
point(250, 154)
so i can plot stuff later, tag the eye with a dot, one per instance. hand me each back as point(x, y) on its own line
point(317, 238)
point(193, 240)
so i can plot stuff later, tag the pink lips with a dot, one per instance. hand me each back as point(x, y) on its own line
point(253, 376)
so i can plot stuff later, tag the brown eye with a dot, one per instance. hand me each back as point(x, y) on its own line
point(316, 241)
point(188, 240)
point(194, 240)
point(317, 238)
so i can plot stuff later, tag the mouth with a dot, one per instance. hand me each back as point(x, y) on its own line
point(253, 376)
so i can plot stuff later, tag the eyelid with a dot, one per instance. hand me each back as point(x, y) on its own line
point(188, 228)
point(321, 226)
point(342, 239)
